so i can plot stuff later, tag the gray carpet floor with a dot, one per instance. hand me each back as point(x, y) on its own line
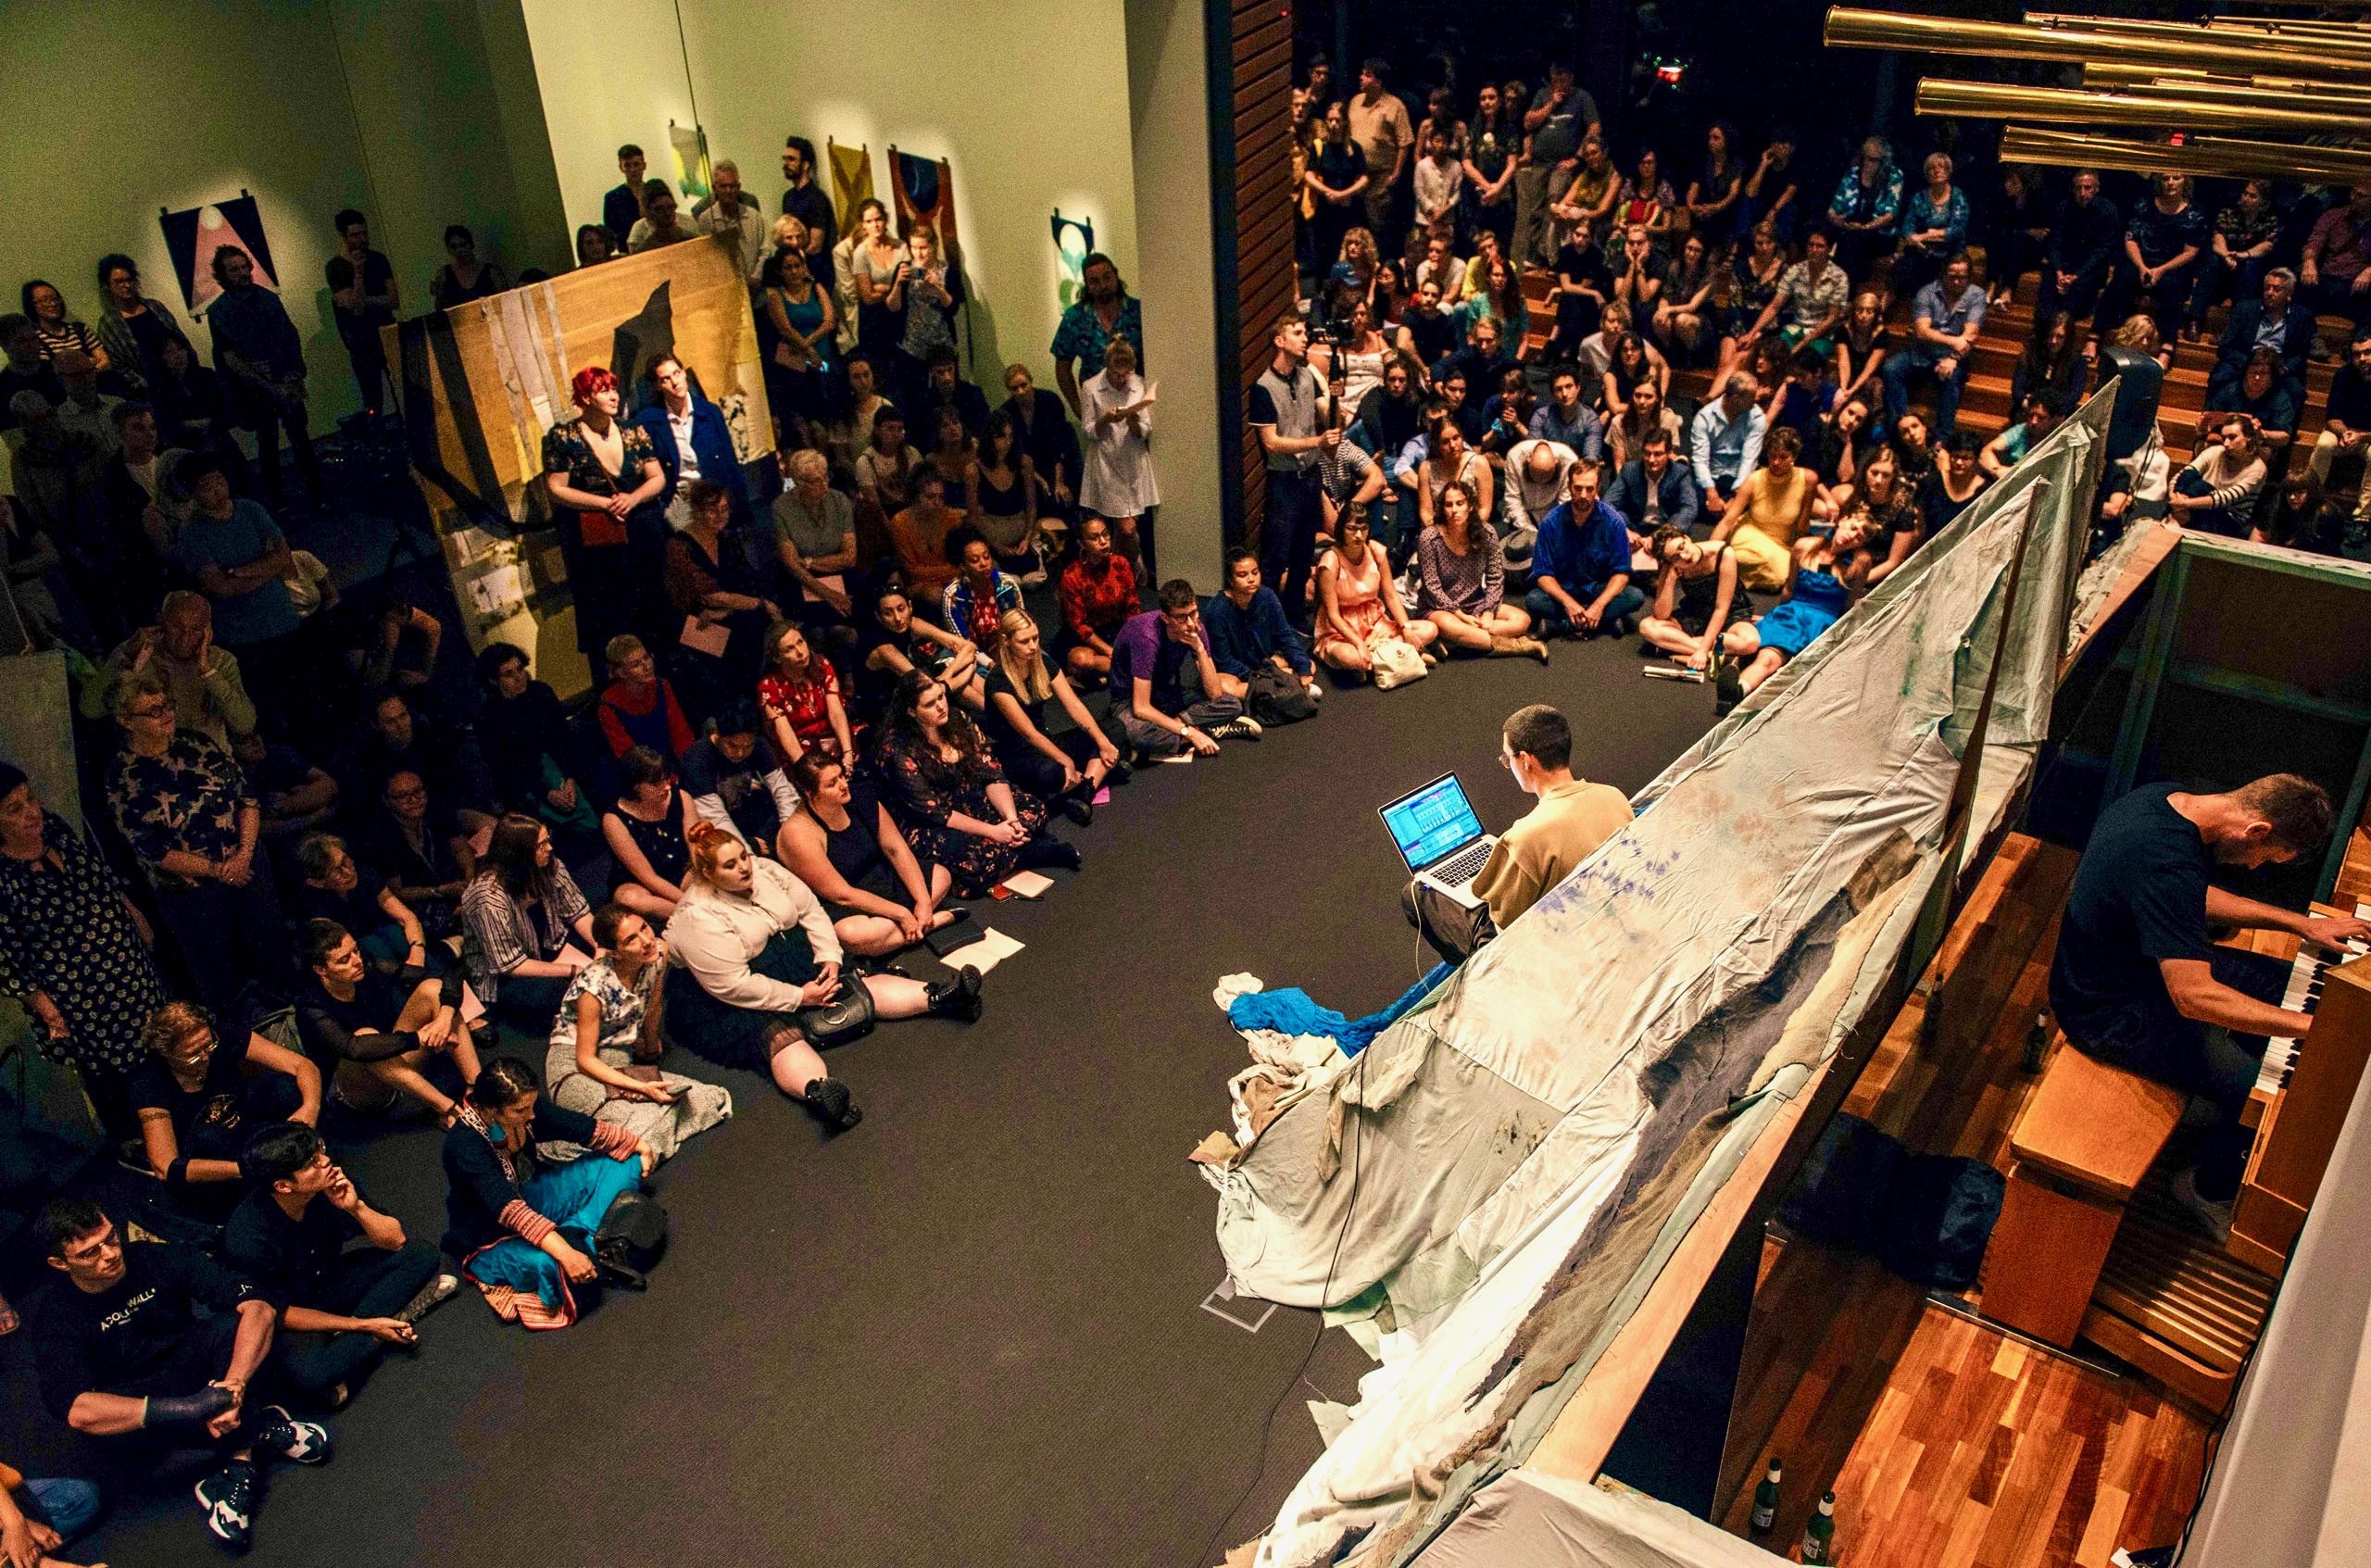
point(968, 1330)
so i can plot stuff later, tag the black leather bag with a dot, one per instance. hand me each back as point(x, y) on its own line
point(630, 1240)
point(847, 1016)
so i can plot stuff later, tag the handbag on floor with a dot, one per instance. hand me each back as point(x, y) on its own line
point(849, 1016)
point(1397, 663)
point(630, 1240)
point(1278, 696)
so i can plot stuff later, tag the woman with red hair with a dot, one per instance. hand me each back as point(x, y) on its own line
point(752, 949)
point(598, 472)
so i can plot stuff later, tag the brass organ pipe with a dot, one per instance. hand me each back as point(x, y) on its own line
point(2240, 94)
point(1992, 100)
point(2280, 34)
point(2225, 157)
point(1849, 27)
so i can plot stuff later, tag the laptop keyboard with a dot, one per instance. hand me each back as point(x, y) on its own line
point(1461, 867)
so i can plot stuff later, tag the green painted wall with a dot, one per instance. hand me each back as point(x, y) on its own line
point(116, 108)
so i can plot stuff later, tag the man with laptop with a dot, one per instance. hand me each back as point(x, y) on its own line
point(1468, 884)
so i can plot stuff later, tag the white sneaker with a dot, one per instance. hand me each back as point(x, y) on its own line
point(1244, 728)
point(2213, 1218)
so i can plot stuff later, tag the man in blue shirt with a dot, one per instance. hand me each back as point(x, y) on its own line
point(2273, 321)
point(689, 437)
point(1725, 440)
point(1654, 492)
point(1580, 568)
point(1249, 631)
point(1567, 419)
point(1948, 313)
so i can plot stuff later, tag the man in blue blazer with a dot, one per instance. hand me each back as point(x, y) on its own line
point(688, 436)
point(1655, 474)
point(2274, 322)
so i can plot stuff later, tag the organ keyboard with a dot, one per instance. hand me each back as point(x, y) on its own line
point(2306, 978)
point(2305, 1090)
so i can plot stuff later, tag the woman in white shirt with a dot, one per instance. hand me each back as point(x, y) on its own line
point(749, 948)
point(1116, 406)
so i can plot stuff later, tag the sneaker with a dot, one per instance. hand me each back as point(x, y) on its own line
point(2213, 1218)
point(432, 1294)
point(1243, 728)
point(229, 1497)
point(306, 1442)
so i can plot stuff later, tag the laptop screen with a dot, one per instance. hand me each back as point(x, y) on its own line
point(1431, 823)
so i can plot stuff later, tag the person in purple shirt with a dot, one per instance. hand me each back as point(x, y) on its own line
point(1152, 654)
point(1580, 568)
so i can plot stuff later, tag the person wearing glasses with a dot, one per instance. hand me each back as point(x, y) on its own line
point(199, 1104)
point(182, 804)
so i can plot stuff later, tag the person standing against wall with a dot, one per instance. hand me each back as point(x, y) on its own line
point(365, 299)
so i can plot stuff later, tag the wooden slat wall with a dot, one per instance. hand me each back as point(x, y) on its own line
point(1254, 148)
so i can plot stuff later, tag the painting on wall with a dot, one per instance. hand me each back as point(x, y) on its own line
point(1073, 243)
point(925, 194)
point(692, 176)
point(195, 235)
point(851, 180)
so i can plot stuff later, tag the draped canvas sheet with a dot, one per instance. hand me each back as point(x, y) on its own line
point(1594, 1077)
point(1527, 1520)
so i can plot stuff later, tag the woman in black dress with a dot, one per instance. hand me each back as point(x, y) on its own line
point(1069, 768)
point(945, 788)
point(644, 832)
point(843, 844)
point(599, 472)
point(73, 950)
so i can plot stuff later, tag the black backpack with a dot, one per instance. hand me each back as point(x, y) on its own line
point(632, 1239)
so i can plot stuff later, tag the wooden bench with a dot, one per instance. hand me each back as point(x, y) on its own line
point(2081, 1146)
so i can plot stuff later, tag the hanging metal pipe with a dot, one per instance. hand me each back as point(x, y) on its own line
point(2228, 90)
point(1848, 27)
point(2000, 100)
point(2283, 34)
point(2204, 156)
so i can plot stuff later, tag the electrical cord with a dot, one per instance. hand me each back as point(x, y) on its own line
point(1268, 1425)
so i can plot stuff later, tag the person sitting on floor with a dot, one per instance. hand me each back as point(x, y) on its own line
point(799, 695)
point(521, 1223)
point(751, 952)
point(844, 846)
point(1697, 595)
point(2007, 449)
point(2217, 491)
point(944, 786)
point(1580, 571)
point(418, 847)
point(919, 533)
point(1099, 594)
point(517, 915)
point(523, 727)
point(1153, 657)
point(1463, 578)
point(606, 1039)
point(1654, 491)
point(1770, 511)
point(124, 1351)
point(1068, 769)
point(644, 832)
point(380, 1033)
point(338, 888)
point(738, 781)
point(1261, 659)
point(1816, 597)
point(339, 1309)
point(975, 602)
point(638, 707)
point(56, 1513)
point(197, 1105)
point(902, 641)
point(1357, 604)
point(2137, 980)
point(1538, 851)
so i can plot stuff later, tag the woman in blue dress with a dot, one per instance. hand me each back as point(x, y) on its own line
point(1816, 597)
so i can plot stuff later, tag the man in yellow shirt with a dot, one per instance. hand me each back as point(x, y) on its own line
point(1572, 818)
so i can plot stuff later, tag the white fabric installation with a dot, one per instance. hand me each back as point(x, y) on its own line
point(1497, 1178)
point(1528, 1520)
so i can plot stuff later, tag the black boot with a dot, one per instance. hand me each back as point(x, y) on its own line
point(1077, 808)
point(959, 997)
point(1046, 850)
point(1119, 773)
point(827, 1100)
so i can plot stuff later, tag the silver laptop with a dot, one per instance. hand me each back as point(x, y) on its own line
point(1437, 834)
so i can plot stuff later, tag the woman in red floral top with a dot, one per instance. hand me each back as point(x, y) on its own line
point(1098, 593)
point(800, 697)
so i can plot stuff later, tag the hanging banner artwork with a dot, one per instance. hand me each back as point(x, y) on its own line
point(691, 162)
point(925, 194)
point(1073, 243)
point(194, 234)
point(851, 180)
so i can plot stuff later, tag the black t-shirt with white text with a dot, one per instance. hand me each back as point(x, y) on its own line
point(111, 1340)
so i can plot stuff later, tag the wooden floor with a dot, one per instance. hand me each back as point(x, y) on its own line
point(1949, 1445)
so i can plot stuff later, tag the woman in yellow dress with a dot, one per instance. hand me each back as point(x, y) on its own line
point(1769, 513)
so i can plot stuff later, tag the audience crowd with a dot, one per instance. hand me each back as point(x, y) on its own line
point(332, 885)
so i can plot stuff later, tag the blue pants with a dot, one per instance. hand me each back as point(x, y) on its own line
point(1548, 619)
point(572, 1196)
point(67, 1507)
point(1905, 363)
